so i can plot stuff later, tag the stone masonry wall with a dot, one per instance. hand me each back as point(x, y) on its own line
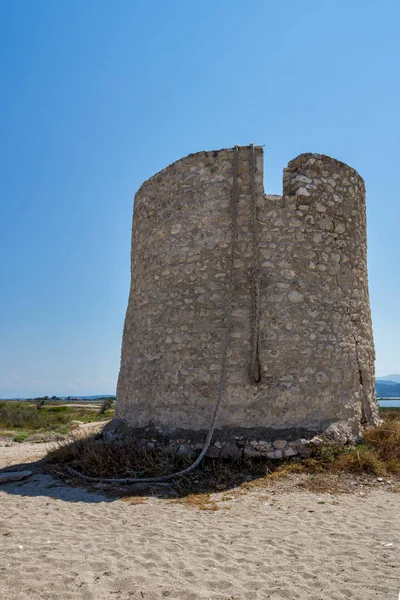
point(317, 354)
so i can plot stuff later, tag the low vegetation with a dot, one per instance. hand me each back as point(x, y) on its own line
point(106, 405)
point(23, 421)
point(379, 454)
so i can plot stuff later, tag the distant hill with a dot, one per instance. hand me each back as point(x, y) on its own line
point(88, 397)
point(389, 378)
point(387, 389)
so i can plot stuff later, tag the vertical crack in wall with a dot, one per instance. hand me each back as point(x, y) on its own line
point(256, 369)
point(366, 416)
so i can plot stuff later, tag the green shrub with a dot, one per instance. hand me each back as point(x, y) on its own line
point(106, 405)
point(20, 437)
point(22, 416)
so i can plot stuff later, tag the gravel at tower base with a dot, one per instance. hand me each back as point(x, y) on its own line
point(312, 377)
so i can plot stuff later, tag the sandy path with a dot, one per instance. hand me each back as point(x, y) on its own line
point(61, 543)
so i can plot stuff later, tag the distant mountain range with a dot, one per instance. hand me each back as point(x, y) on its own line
point(389, 378)
point(88, 397)
point(388, 386)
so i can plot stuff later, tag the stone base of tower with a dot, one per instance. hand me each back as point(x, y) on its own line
point(258, 442)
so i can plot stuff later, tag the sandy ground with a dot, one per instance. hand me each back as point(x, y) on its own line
point(58, 542)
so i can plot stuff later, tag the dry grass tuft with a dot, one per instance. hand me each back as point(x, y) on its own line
point(200, 501)
point(96, 457)
point(379, 454)
point(361, 459)
point(385, 441)
point(133, 499)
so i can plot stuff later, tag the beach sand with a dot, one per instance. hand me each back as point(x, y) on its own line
point(278, 541)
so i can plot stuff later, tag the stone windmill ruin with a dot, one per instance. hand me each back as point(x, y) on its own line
point(260, 300)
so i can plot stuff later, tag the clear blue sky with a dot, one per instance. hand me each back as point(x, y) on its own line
point(97, 95)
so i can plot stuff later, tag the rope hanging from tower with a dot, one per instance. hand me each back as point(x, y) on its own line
point(256, 276)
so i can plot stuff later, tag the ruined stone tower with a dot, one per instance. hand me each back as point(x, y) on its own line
point(304, 365)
